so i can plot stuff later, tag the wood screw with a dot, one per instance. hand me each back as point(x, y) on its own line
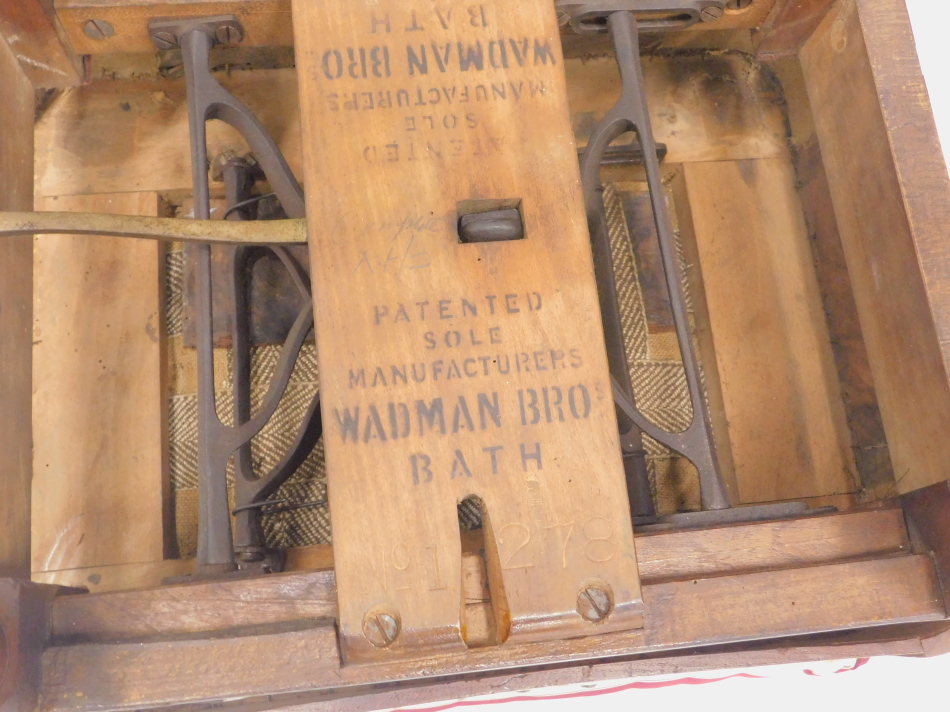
point(227, 34)
point(708, 14)
point(98, 29)
point(380, 628)
point(593, 603)
point(165, 40)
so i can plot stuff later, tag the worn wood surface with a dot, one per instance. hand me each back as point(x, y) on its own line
point(195, 608)
point(33, 33)
point(692, 613)
point(509, 394)
point(16, 314)
point(99, 468)
point(868, 440)
point(116, 136)
point(788, 26)
point(500, 682)
point(781, 395)
point(267, 23)
point(891, 197)
point(37, 40)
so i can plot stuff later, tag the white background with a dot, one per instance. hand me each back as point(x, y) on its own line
point(892, 684)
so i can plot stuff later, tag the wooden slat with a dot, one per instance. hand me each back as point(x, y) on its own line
point(117, 136)
point(500, 137)
point(662, 557)
point(891, 196)
point(16, 314)
point(32, 32)
point(684, 614)
point(266, 22)
point(500, 682)
point(780, 390)
point(99, 470)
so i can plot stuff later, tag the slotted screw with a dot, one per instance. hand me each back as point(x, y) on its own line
point(98, 29)
point(227, 34)
point(738, 4)
point(380, 628)
point(164, 40)
point(593, 603)
point(713, 12)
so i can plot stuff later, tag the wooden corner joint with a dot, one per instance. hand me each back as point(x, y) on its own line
point(24, 630)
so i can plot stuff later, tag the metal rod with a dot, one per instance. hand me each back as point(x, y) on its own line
point(270, 232)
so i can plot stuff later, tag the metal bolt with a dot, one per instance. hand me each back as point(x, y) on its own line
point(708, 14)
point(164, 40)
point(593, 603)
point(738, 4)
point(98, 29)
point(380, 628)
point(228, 34)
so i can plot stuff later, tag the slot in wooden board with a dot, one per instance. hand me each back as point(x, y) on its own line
point(780, 390)
point(891, 197)
point(509, 395)
point(99, 468)
point(197, 608)
point(16, 313)
point(694, 613)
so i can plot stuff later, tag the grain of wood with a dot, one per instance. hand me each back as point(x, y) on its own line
point(16, 313)
point(203, 607)
point(788, 26)
point(99, 470)
point(117, 136)
point(511, 323)
point(685, 614)
point(891, 197)
point(33, 34)
point(780, 390)
point(267, 23)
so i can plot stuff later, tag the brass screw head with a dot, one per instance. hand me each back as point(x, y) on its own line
point(593, 603)
point(380, 628)
point(98, 29)
point(708, 14)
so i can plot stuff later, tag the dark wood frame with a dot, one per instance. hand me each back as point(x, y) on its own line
point(891, 193)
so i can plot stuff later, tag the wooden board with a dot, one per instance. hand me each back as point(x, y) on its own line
point(99, 468)
point(697, 613)
point(788, 26)
point(891, 198)
point(117, 136)
point(32, 32)
point(780, 390)
point(16, 313)
point(267, 23)
point(460, 369)
point(688, 555)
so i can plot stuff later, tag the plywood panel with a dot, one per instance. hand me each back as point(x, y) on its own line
point(16, 309)
point(780, 390)
point(99, 484)
point(891, 198)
